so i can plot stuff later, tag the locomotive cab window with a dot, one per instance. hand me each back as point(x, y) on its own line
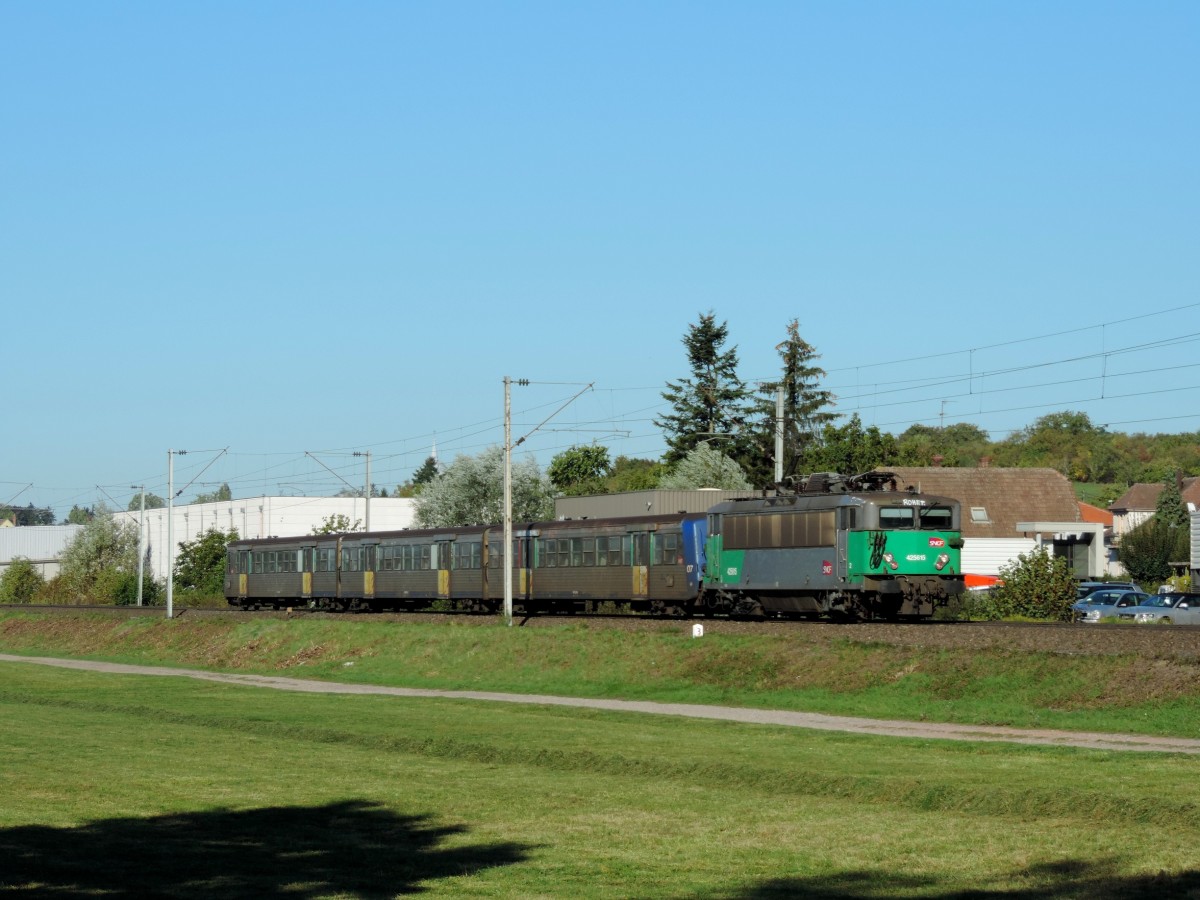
point(936, 518)
point(895, 517)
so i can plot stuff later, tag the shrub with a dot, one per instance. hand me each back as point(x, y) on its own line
point(1036, 586)
point(20, 582)
point(1148, 550)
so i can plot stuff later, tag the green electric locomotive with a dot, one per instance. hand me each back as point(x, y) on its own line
point(840, 546)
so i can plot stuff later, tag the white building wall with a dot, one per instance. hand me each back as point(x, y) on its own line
point(42, 545)
point(256, 517)
point(985, 556)
point(1129, 520)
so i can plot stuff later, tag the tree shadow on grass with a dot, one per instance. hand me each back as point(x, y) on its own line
point(1096, 880)
point(355, 849)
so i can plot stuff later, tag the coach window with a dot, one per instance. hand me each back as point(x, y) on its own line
point(669, 552)
point(577, 551)
point(614, 549)
point(627, 550)
point(589, 551)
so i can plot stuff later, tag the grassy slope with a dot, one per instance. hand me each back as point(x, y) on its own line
point(1101, 693)
point(228, 791)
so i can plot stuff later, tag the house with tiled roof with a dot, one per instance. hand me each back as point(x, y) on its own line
point(1010, 511)
point(1138, 503)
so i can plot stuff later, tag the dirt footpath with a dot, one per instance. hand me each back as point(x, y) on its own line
point(817, 721)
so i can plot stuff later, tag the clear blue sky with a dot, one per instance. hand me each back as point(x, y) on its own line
point(289, 227)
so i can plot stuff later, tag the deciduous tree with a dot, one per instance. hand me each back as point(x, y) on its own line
point(200, 563)
point(850, 449)
point(103, 550)
point(705, 467)
point(337, 524)
point(1148, 550)
point(471, 492)
point(220, 494)
point(153, 501)
point(580, 470)
point(630, 474)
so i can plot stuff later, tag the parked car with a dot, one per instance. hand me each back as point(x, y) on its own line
point(1166, 609)
point(1107, 603)
point(1089, 587)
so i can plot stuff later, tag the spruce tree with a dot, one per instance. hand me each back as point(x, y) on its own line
point(713, 401)
point(806, 409)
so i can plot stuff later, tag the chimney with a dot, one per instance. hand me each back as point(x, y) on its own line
point(937, 461)
point(985, 462)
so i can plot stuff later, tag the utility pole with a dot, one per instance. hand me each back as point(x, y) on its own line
point(779, 435)
point(508, 535)
point(141, 540)
point(171, 531)
point(367, 492)
point(508, 449)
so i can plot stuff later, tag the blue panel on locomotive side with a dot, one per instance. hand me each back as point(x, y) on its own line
point(695, 534)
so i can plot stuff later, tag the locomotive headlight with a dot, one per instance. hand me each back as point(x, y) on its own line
point(942, 559)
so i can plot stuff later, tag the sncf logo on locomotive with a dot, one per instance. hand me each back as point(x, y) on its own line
point(936, 542)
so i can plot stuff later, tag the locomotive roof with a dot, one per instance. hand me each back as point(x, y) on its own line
point(830, 500)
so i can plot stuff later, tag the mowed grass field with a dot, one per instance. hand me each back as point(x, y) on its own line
point(129, 786)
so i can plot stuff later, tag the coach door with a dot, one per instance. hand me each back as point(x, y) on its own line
point(370, 553)
point(307, 567)
point(239, 568)
point(442, 553)
point(636, 550)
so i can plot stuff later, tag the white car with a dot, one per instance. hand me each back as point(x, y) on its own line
point(1165, 609)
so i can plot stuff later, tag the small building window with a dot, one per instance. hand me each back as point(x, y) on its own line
point(979, 515)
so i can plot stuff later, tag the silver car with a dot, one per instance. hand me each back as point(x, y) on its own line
point(1107, 604)
point(1165, 609)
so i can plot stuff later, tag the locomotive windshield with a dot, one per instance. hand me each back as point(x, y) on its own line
point(933, 518)
point(937, 518)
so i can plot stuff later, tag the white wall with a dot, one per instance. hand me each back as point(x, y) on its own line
point(985, 556)
point(256, 517)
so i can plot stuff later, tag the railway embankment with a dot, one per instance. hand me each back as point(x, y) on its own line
point(1087, 678)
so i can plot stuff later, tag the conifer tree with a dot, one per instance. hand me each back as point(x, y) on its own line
point(806, 409)
point(711, 402)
